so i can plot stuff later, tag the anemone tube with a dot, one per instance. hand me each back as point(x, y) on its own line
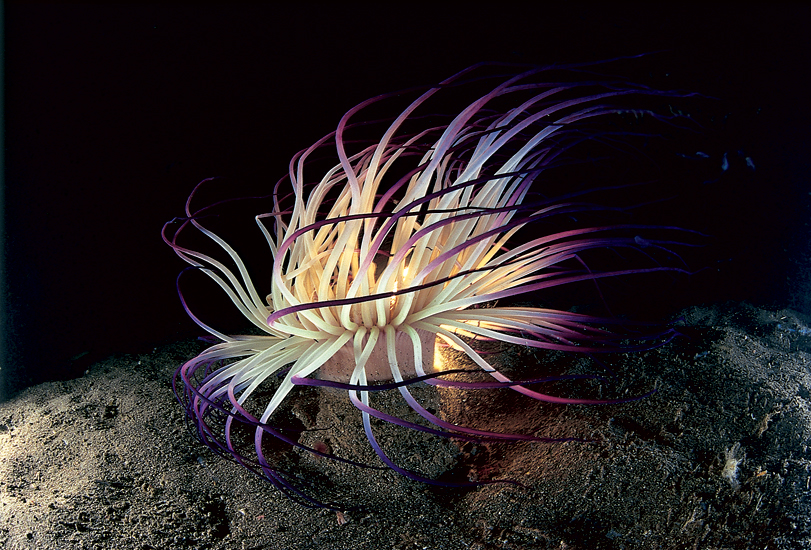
point(398, 245)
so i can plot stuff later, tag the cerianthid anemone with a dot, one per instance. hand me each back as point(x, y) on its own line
point(397, 245)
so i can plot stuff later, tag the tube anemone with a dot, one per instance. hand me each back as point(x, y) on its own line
point(395, 249)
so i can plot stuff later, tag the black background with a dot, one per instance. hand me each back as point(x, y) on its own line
point(115, 112)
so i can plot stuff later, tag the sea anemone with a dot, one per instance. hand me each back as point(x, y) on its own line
point(423, 236)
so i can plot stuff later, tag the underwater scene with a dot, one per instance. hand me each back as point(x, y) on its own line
point(323, 277)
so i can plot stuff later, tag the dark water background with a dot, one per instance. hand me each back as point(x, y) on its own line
point(114, 113)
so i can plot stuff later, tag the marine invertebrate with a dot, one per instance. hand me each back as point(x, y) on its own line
point(733, 457)
point(395, 246)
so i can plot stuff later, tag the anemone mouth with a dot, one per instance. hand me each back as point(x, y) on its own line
point(397, 245)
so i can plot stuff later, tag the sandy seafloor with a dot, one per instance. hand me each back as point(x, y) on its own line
point(104, 461)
